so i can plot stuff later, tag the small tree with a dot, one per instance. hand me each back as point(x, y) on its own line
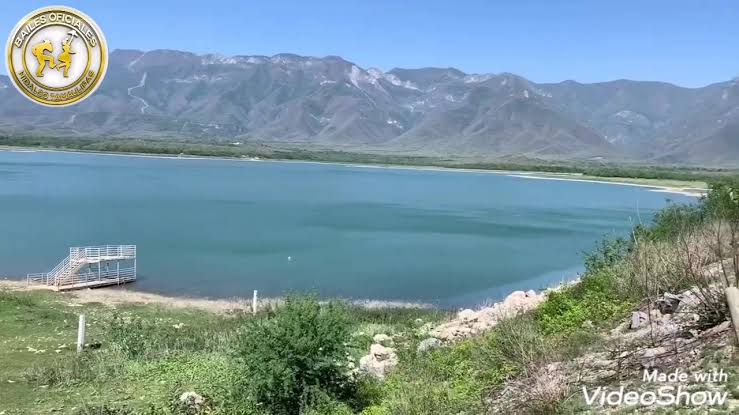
point(293, 353)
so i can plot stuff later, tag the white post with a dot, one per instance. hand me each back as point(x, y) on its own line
point(254, 303)
point(732, 300)
point(81, 334)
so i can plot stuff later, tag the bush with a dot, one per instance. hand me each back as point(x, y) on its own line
point(671, 221)
point(607, 254)
point(291, 354)
point(596, 299)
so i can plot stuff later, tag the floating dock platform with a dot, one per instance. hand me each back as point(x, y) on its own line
point(89, 267)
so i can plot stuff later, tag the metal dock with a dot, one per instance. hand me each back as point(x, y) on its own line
point(89, 267)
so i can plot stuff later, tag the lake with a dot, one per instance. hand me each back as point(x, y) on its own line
point(222, 228)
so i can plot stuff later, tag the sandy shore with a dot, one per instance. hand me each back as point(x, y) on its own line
point(122, 296)
point(654, 188)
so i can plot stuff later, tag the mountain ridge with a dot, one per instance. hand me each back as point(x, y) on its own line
point(332, 102)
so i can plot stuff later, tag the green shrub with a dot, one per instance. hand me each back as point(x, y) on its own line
point(671, 221)
point(595, 299)
point(292, 353)
point(607, 253)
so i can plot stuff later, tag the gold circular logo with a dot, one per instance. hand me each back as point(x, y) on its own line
point(57, 56)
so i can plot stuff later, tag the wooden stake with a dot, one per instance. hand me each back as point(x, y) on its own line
point(81, 334)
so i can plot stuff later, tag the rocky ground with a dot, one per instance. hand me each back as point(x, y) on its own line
point(668, 334)
point(383, 356)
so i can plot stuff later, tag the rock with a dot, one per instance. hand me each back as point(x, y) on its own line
point(668, 304)
point(428, 344)
point(649, 356)
point(716, 329)
point(383, 339)
point(587, 324)
point(519, 301)
point(638, 319)
point(469, 322)
point(657, 317)
point(192, 401)
point(381, 352)
point(379, 361)
point(655, 352)
point(467, 315)
point(689, 300)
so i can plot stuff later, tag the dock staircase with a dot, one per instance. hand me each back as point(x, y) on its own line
point(90, 266)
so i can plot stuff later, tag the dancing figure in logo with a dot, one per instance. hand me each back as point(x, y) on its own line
point(39, 52)
point(65, 58)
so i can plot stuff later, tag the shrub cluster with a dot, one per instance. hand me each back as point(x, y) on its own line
point(296, 357)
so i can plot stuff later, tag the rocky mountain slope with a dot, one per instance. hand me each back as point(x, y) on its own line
point(334, 103)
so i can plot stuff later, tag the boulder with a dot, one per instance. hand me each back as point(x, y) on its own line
point(192, 401)
point(689, 300)
point(469, 322)
point(467, 315)
point(519, 301)
point(638, 320)
point(427, 344)
point(668, 304)
point(379, 361)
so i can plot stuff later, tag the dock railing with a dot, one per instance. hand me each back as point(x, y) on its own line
point(69, 272)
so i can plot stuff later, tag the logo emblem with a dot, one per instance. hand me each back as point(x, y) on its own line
point(57, 56)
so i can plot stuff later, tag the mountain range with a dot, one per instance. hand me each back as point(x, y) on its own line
point(330, 102)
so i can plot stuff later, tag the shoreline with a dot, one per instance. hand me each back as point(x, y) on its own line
point(123, 295)
point(538, 175)
point(571, 177)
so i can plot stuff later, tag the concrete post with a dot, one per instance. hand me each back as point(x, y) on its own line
point(81, 334)
point(254, 303)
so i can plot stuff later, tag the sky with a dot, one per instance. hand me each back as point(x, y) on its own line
point(689, 43)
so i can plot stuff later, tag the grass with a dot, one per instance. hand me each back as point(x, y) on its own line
point(147, 355)
point(42, 371)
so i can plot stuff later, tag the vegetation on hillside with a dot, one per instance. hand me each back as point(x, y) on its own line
point(695, 177)
point(298, 357)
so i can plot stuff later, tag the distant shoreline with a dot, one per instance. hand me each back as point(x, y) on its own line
point(539, 175)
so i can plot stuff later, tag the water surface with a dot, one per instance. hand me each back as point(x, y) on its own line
point(222, 228)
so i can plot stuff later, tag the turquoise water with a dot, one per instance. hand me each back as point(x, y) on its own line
point(224, 228)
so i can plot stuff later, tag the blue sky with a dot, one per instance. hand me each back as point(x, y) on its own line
point(690, 43)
